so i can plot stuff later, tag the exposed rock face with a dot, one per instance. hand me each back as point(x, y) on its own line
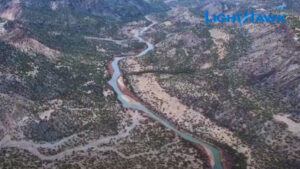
point(10, 10)
point(54, 114)
point(16, 37)
point(234, 89)
point(58, 50)
point(119, 9)
point(273, 59)
point(33, 46)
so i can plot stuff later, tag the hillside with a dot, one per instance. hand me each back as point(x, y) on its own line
point(148, 84)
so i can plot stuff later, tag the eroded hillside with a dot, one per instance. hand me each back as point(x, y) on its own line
point(245, 79)
point(235, 87)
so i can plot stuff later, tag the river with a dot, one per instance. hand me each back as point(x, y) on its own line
point(138, 106)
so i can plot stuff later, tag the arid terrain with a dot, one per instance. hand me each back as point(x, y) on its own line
point(148, 84)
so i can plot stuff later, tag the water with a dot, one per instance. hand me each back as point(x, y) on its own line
point(138, 106)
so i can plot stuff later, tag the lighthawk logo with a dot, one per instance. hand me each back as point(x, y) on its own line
point(246, 17)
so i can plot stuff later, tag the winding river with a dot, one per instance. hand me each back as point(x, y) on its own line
point(138, 106)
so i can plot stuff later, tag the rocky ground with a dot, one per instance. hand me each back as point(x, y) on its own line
point(234, 87)
point(243, 79)
point(56, 108)
point(107, 137)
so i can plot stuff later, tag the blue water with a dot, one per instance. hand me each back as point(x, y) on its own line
point(138, 106)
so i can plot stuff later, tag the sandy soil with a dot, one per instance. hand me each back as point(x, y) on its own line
point(12, 11)
point(130, 97)
point(127, 95)
point(206, 65)
point(149, 90)
point(292, 126)
point(29, 45)
point(110, 68)
point(220, 38)
point(46, 115)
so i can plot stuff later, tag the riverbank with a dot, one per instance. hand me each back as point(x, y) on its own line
point(130, 97)
point(147, 88)
point(119, 86)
